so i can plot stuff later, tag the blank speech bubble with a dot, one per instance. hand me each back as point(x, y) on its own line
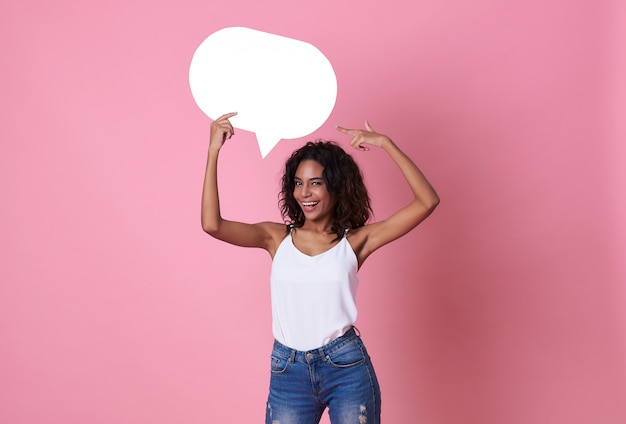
point(281, 88)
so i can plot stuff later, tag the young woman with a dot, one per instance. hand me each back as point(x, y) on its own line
point(318, 359)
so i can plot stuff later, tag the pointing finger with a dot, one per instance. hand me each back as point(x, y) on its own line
point(347, 131)
point(227, 116)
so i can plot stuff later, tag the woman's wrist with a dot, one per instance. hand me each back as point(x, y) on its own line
point(214, 149)
point(387, 144)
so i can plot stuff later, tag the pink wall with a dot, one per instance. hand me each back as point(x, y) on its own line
point(506, 306)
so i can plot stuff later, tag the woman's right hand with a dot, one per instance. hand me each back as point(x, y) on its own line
point(221, 130)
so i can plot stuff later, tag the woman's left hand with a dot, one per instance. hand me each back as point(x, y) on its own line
point(361, 138)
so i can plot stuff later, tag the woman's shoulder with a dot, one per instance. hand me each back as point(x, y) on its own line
point(276, 231)
point(357, 237)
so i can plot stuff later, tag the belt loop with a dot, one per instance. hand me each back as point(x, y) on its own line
point(292, 358)
point(356, 331)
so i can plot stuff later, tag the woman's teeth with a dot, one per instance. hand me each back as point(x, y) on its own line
point(309, 203)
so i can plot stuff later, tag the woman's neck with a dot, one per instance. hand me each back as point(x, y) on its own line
point(324, 227)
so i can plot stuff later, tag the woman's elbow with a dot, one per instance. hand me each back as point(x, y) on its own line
point(434, 202)
point(211, 228)
point(429, 205)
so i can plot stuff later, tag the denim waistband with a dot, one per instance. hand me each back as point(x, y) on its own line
point(319, 353)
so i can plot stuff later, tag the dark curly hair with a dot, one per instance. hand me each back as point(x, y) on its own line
point(343, 180)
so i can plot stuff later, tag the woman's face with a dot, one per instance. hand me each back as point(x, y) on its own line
point(311, 193)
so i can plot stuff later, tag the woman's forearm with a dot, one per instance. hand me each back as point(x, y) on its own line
point(221, 130)
point(210, 215)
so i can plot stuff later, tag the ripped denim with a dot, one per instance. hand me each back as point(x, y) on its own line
point(338, 376)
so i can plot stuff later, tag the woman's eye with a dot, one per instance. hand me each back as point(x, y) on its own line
point(298, 183)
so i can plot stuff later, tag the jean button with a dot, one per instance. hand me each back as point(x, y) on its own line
point(309, 356)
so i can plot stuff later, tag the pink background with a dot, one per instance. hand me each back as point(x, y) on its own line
point(506, 306)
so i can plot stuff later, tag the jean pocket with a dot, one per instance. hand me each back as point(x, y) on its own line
point(278, 364)
point(349, 355)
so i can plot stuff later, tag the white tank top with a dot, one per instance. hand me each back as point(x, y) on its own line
point(313, 297)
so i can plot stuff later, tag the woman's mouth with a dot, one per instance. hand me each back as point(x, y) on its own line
point(309, 205)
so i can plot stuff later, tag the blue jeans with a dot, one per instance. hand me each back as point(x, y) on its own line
point(338, 375)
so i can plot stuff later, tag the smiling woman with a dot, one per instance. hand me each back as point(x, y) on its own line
point(311, 193)
point(318, 357)
point(330, 169)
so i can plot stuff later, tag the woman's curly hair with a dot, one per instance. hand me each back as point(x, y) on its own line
point(343, 180)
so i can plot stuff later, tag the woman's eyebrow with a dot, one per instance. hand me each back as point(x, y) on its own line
point(310, 179)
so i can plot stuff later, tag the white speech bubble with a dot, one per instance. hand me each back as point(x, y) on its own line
point(281, 88)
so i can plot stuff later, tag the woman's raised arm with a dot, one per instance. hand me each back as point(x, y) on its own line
point(425, 199)
point(264, 235)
